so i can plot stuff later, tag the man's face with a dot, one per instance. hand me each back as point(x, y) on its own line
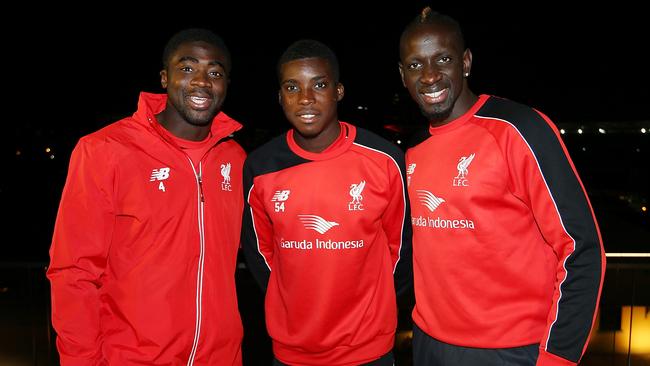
point(432, 67)
point(309, 96)
point(196, 80)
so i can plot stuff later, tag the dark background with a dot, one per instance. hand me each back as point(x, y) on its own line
point(585, 64)
point(68, 71)
point(71, 71)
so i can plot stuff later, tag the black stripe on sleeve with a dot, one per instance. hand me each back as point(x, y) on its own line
point(580, 290)
point(273, 156)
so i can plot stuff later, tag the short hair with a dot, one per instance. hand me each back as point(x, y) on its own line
point(308, 48)
point(194, 35)
point(428, 16)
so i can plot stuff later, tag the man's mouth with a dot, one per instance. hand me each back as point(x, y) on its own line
point(436, 96)
point(197, 102)
point(307, 117)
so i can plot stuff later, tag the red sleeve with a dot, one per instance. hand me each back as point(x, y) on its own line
point(82, 233)
point(543, 176)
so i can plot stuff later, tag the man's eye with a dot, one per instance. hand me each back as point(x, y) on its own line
point(216, 74)
point(414, 66)
point(321, 85)
point(186, 69)
point(291, 88)
point(445, 59)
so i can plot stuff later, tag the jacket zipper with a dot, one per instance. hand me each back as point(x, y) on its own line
point(200, 180)
point(199, 274)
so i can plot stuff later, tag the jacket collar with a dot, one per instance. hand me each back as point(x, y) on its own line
point(150, 104)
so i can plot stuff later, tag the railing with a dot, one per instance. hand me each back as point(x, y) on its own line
point(26, 337)
point(622, 332)
point(621, 335)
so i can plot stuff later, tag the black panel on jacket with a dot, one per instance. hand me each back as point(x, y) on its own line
point(571, 329)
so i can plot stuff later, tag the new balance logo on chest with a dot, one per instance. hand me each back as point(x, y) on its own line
point(279, 197)
point(160, 175)
point(409, 171)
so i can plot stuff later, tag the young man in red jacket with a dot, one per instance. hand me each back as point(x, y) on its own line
point(144, 249)
point(508, 259)
point(326, 228)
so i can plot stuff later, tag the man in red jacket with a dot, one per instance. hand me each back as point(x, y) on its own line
point(146, 237)
point(508, 259)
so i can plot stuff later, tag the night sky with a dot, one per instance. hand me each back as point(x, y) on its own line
point(576, 66)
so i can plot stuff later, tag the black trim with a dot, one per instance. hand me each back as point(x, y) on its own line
point(580, 290)
point(273, 156)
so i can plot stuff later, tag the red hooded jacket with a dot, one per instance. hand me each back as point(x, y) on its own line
point(144, 249)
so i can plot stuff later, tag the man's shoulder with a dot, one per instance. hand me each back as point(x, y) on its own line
point(231, 149)
point(272, 156)
point(500, 115)
point(515, 113)
point(374, 141)
point(115, 131)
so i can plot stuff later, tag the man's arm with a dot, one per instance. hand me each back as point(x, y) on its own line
point(397, 225)
point(78, 257)
point(256, 233)
point(558, 200)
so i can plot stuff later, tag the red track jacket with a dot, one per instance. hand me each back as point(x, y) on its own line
point(144, 249)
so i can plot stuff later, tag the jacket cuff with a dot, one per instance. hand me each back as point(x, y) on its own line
point(549, 359)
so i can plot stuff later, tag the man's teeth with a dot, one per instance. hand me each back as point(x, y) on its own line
point(434, 94)
point(308, 116)
point(198, 100)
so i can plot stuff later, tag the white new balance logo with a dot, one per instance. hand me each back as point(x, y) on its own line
point(159, 174)
point(429, 200)
point(409, 171)
point(317, 223)
point(411, 168)
point(280, 196)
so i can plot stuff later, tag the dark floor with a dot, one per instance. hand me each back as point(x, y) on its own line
point(26, 337)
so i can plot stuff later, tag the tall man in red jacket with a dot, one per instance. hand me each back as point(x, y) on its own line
point(145, 243)
point(508, 259)
point(326, 229)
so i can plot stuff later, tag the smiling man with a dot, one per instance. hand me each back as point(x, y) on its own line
point(508, 260)
point(144, 249)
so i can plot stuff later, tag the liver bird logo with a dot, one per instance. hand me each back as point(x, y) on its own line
point(225, 173)
point(356, 190)
point(463, 163)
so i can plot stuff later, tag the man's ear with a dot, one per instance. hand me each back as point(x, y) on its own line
point(163, 79)
point(467, 62)
point(340, 92)
point(280, 97)
point(401, 73)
